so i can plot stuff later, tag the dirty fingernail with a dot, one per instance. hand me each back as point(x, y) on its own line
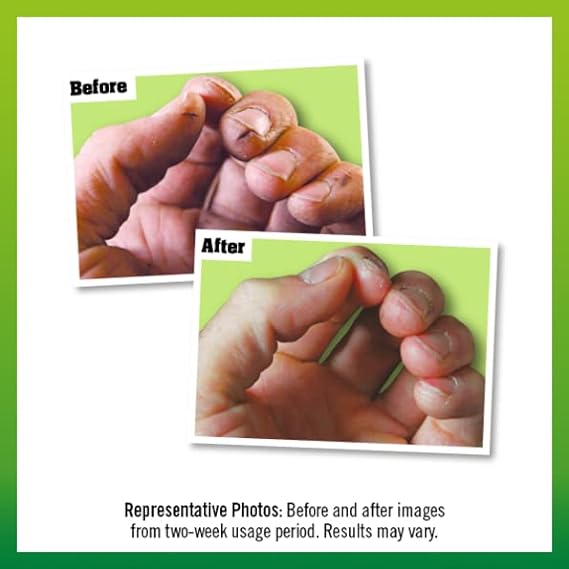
point(254, 119)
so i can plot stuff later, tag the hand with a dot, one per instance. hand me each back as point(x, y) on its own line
point(259, 374)
point(212, 159)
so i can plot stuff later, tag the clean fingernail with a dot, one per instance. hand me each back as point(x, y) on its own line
point(436, 342)
point(416, 299)
point(254, 119)
point(315, 192)
point(439, 388)
point(322, 271)
point(281, 164)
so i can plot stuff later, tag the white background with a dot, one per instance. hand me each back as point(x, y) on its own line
point(460, 129)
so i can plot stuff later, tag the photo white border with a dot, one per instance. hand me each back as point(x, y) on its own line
point(132, 76)
point(484, 450)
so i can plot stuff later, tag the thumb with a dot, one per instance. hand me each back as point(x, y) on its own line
point(239, 342)
point(119, 162)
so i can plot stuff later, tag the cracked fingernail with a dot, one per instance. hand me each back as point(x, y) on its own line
point(254, 119)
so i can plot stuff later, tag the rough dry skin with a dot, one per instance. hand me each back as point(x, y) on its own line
point(210, 159)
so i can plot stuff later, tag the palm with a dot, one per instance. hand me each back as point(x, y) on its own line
point(305, 400)
point(208, 189)
point(298, 398)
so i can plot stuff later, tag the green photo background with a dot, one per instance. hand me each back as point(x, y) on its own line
point(462, 272)
point(416, 8)
point(326, 100)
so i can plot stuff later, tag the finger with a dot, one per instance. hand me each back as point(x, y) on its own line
point(281, 220)
point(230, 197)
point(461, 394)
point(253, 124)
point(445, 347)
point(103, 262)
point(412, 305)
point(293, 160)
point(313, 344)
point(371, 279)
point(217, 93)
point(119, 162)
point(369, 286)
point(335, 195)
point(241, 339)
point(367, 355)
point(467, 432)
point(185, 184)
point(399, 402)
point(409, 399)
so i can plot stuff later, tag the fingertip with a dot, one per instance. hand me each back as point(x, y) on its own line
point(446, 346)
point(412, 304)
point(192, 104)
point(334, 196)
point(460, 394)
point(255, 122)
point(371, 281)
point(217, 94)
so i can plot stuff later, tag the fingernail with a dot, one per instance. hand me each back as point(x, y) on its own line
point(223, 88)
point(437, 343)
point(373, 264)
point(315, 192)
point(254, 119)
point(440, 388)
point(189, 103)
point(281, 163)
point(322, 271)
point(415, 299)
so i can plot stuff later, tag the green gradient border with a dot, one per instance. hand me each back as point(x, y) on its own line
point(559, 11)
